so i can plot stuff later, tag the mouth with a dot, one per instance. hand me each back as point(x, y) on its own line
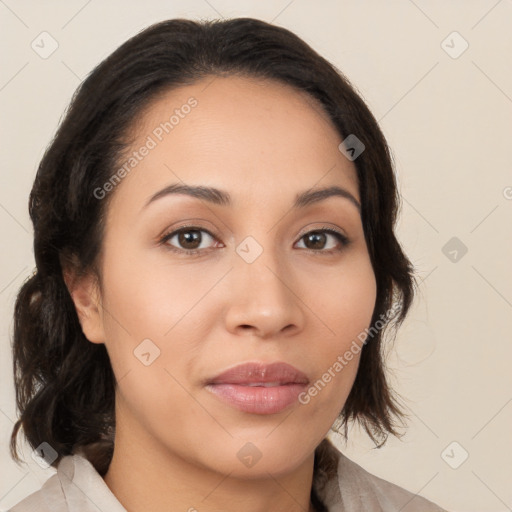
point(258, 388)
point(266, 384)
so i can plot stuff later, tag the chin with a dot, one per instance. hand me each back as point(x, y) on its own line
point(257, 456)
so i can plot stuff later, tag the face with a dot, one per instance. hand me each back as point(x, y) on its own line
point(196, 282)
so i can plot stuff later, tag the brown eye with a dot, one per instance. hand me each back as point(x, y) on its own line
point(324, 240)
point(189, 239)
point(315, 240)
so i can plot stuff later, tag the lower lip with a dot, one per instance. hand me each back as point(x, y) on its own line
point(258, 399)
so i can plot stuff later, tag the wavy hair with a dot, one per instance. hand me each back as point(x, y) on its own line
point(65, 387)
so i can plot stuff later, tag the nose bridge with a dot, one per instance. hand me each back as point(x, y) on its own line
point(262, 292)
point(265, 275)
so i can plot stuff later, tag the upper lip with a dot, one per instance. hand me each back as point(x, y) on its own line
point(260, 373)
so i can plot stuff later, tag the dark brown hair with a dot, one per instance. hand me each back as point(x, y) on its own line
point(65, 386)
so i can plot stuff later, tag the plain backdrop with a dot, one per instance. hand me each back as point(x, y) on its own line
point(437, 75)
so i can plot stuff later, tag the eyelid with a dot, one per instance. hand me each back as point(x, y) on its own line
point(192, 224)
point(325, 227)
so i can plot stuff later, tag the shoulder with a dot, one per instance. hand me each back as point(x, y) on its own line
point(47, 499)
point(353, 489)
point(76, 487)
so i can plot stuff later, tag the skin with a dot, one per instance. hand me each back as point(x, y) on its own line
point(177, 443)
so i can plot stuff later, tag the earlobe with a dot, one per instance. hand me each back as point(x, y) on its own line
point(87, 300)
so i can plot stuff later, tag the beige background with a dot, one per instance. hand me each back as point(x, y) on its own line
point(449, 122)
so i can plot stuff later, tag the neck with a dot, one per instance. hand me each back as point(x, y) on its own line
point(144, 475)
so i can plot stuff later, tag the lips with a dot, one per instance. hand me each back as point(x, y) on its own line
point(261, 374)
point(259, 388)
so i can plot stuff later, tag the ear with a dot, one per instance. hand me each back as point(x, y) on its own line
point(85, 294)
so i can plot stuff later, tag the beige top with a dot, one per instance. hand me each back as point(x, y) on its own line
point(78, 487)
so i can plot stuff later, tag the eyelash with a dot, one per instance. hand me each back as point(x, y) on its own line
point(342, 239)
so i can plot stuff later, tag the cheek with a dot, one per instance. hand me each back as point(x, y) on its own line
point(345, 306)
point(154, 335)
point(145, 313)
point(148, 297)
point(345, 300)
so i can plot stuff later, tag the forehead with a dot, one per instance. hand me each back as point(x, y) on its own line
point(238, 133)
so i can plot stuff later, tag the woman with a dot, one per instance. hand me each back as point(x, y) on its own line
point(216, 266)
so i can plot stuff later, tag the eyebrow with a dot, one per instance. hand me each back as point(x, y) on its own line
point(222, 198)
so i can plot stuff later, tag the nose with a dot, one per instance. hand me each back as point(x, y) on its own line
point(263, 299)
